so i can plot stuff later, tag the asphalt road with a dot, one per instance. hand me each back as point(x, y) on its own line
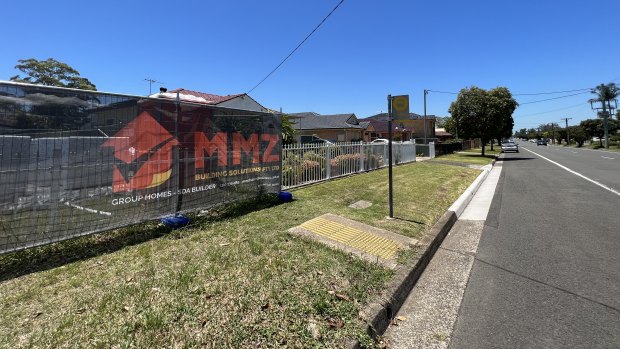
point(547, 269)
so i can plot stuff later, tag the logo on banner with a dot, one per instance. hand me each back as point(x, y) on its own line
point(143, 153)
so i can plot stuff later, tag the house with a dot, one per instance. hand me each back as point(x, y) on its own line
point(379, 129)
point(442, 135)
point(333, 127)
point(411, 128)
point(238, 101)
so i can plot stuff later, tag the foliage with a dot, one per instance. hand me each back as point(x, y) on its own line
point(503, 105)
point(51, 73)
point(596, 127)
point(483, 114)
point(605, 93)
point(288, 131)
point(450, 125)
point(578, 134)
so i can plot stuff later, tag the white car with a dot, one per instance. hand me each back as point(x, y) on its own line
point(380, 141)
point(510, 146)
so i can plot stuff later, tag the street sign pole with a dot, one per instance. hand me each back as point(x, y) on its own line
point(391, 203)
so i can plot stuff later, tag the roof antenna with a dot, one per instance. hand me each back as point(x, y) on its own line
point(151, 81)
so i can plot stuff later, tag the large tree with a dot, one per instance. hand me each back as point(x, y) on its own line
point(503, 105)
point(480, 114)
point(51, 72)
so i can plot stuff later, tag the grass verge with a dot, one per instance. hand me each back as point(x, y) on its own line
point(471, 156)
point(235, 279)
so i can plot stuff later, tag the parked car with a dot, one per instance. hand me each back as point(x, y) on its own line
point(380, 141)
point(510, 146)
point(541, 142)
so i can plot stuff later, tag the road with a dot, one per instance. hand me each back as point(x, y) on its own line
point(546, 273)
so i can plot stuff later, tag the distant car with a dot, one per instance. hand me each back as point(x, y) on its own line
point(510, 146)
point(380, 141)
point(541, 142)
point(320, 141)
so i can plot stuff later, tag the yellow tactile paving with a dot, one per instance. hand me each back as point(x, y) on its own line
point(365, 241)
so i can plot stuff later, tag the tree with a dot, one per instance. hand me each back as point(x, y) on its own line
point(450, 126)
point(288, 132)
point(480, 114)
point(596, 128)
point(502, 104)
point(51, 73)
point(578, 134)
point(605, 93)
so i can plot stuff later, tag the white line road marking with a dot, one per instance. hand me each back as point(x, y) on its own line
point(607, 157)
point(574, 152)
point(578, 174)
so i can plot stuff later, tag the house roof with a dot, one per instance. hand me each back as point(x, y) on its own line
point(315, 121)
point(412, 116)
point(208, 97)
point(380, 126)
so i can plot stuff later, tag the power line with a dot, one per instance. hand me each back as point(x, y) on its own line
point(298, 46)
point(550, 93)
point(551, 111)
point(451, 93)
point(550, 99)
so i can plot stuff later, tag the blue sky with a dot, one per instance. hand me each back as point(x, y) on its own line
point(363, 52)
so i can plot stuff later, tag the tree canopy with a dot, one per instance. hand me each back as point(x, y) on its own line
point(487, 115)
point(51, 72)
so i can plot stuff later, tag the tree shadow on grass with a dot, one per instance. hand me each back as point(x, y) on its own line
point(36, 259)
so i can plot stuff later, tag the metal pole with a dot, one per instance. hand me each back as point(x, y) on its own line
point(567, 131)
point(425, 93)
point(390, 191)
point(605, 125)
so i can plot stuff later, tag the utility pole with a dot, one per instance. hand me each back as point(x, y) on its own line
point(553, 133)
point(390, 190)
point(567, 131)
point(425, 93)
point(151, 81)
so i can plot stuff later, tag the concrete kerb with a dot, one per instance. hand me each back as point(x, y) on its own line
point(380, 313)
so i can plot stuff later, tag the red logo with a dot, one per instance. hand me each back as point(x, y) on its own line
point(143, 152)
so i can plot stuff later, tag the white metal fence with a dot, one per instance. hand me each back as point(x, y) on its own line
point(309, 163)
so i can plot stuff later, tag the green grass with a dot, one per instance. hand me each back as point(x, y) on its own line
point(235, 279)
point(472, 156)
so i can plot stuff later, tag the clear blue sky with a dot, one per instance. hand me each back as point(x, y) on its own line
point(364, 51)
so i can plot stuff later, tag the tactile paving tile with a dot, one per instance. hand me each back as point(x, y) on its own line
point(365, 241)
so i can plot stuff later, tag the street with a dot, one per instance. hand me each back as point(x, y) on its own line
point(546, 273)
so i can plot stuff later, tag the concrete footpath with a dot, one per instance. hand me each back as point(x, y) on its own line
point(427, 317)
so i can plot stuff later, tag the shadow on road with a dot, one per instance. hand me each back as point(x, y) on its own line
point(514, 159)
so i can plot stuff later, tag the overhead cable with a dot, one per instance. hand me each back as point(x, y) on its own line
point(298, 46)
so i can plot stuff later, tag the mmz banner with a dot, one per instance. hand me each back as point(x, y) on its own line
point(77, 162)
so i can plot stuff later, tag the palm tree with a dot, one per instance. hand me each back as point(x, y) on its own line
point(605, 93)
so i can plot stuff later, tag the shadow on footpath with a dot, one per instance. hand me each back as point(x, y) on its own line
point(58, 254)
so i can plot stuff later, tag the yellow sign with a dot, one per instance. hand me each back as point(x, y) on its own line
point(400, 107)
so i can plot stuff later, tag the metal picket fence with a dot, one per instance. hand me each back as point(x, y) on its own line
point(310, 163)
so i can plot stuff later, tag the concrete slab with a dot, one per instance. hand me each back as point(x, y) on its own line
point(428, 315)
point(367, 242)
point(479, 205)
point(360, 204)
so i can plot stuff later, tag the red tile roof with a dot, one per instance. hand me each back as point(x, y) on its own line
point(214, 99)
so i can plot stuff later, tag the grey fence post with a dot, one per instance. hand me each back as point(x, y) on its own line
point(362, 156)
point(328, 162)
point(431, 150)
